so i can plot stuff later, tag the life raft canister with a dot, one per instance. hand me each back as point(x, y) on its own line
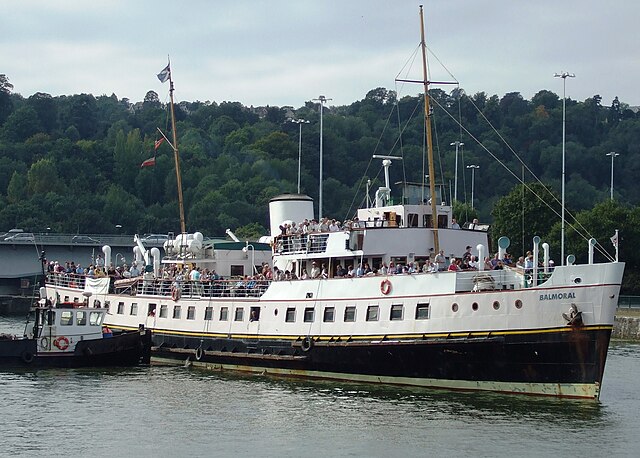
point(385, 287)
point(62, 343)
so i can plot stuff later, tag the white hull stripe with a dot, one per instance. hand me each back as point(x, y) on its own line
point(566, 390)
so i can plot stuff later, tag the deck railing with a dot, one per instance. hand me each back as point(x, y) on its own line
point(170, 287)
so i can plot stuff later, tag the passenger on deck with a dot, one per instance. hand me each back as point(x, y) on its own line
point(134, 271)
point(392, 268)
point(441, 261)
point(528, 262)
point(454, 224)
point(453, 267)
point(323, 271)
point(315, 270)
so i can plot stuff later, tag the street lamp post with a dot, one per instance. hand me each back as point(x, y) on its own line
point(457, 144)
point(564, 76)
point(322, 99)
point(299, 122)
point(613, 155)
point(473, 168)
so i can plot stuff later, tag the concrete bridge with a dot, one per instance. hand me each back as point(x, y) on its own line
point(20, 259)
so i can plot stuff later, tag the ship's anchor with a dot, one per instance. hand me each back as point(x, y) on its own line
point(574, 317)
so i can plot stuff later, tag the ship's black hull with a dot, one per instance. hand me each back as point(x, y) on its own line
point(127, 349)
point(568, 361)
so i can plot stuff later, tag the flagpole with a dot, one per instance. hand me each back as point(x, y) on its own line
point(617, 244)
point(183, 226)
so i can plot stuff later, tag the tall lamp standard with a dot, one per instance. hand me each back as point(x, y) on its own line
point(322, 99)
point(457, 144)
point(473, 168)
point(564, 76)
point(299, 122)
point(613, 155)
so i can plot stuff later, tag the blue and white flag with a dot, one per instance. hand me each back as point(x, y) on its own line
point(164, 75)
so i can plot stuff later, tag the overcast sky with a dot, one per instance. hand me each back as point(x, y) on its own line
point(288, 52)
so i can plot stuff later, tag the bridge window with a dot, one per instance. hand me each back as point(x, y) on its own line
point(224, 313)
point(191, 313)
point(164, 311)
point(176, 312)
point(412, 220)
point(208, 313)
point(134, 308)
point(120, 308)
point(66, 318)
point(81, 318)
point(254, 314)
point(95, 318)
point(239, 314)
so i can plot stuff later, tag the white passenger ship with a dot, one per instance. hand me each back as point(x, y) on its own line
point(544, 332)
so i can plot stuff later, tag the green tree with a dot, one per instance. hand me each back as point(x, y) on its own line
point(6, 105)
point(17, 188)
point(21, 124)
point(522, 214)
point(43, 178)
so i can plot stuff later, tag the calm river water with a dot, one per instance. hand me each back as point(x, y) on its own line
point(160, 411)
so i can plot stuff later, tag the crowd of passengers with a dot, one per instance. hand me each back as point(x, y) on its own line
point(315, 226)
point(197, 279)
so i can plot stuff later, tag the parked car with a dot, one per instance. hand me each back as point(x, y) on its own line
point(10, 233)
point(21, 237)
point(155, 239)
point(83, 239)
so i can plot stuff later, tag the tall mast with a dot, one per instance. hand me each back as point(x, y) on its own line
point(427, 126)
point(183, 226)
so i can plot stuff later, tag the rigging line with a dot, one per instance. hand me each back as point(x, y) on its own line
point(411, 59)
point(435, 130)
point(443, 65)
point(415, 108)
point(601, 249)
point(584, 230)
point(397, 104)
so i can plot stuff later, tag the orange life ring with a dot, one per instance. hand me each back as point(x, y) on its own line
point(385, 287)
point(61, 342)
point(175, 294)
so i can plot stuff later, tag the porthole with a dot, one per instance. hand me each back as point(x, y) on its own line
point(474, 306)
point(577, 280)
point(496, 305)
point(454, 307)
point(518, 304)
point(275, 312)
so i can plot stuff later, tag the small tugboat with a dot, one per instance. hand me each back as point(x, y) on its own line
point(71, 334)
